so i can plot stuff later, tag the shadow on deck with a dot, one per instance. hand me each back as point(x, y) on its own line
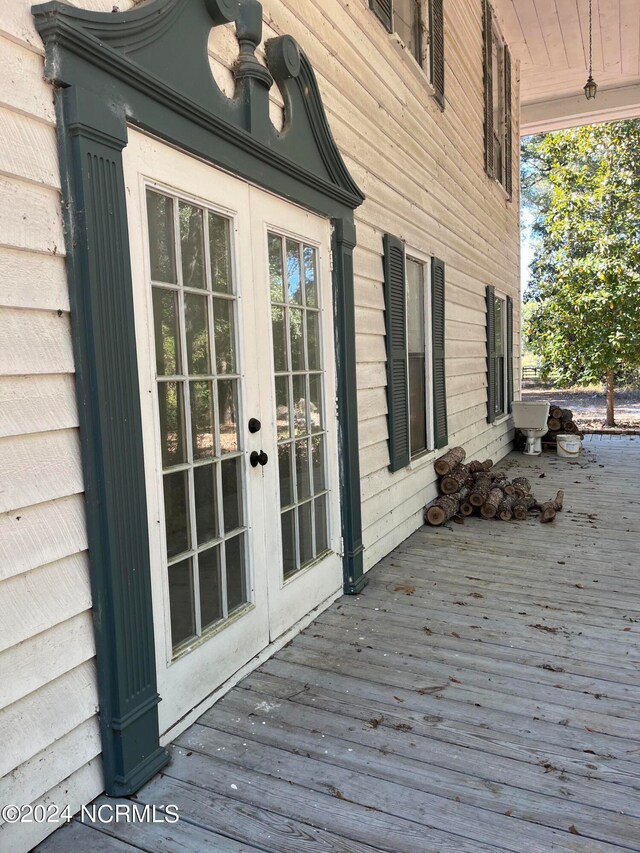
point(481, 695)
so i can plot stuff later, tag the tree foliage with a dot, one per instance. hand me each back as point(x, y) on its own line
point(583, 188)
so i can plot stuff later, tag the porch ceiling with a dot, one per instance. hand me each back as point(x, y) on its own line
point(551, 40)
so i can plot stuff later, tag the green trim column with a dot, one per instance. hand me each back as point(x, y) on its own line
point(344, 241)
point(91, 139)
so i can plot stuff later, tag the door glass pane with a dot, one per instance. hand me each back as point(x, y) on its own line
point(231, 493)
point(202, 419)
point(415, 306)
point(181, 598)
point(293, 271)
point(162, 253)
point(206, 502)
point(210, 588)
point(236, 575)
point(175, 510)
point(197, 334)
point(224, 332)
point(310, 276)
point(220, 253)
point(228, 415)
point(301, 464)
point(192, 245)
point(165, 322)
point(276, 278)
point(171, 413)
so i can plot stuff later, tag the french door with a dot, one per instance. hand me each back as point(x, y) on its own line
point(235, 351)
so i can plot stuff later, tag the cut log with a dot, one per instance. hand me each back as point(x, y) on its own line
point(555, 412)
point(455, 480)
point(548, 509)
point(505, 508)
point(449, 461)
point(480, 490)
point(489, 508)
point(521, 486)
point(570, 427)
point(554, 424)
point(567, 415)
point(476, 467)
point(441, 510)
point(508, 489)
point(466, 508)
point(521, 507)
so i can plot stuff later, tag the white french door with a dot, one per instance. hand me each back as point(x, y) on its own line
point(233, 319)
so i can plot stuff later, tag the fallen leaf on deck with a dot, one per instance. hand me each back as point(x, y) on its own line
point(427, 630)
point(406, 588)
point(509, 812)
point(476, 595)
point(455, 680)
point(457, 636)
point(573, 830)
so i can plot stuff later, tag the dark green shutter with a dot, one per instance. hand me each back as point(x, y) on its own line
point(436, 48)
point(488, 88)
point(396, 328)
point(384, 10)
point(508, 145)
point(509, 352)
point(441, 435)
point(491, 354)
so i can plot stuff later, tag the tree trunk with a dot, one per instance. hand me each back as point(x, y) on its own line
point(611, 389)
point(449, 461)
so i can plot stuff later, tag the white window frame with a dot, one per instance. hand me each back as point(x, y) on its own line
point(425, 260)
point(498, 294)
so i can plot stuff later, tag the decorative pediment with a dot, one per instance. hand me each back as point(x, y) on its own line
point(159, 48)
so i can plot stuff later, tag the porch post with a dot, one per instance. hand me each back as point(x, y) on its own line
point(91, 139)
point(344, 241)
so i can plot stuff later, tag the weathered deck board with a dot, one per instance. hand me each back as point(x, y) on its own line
point(483, 694)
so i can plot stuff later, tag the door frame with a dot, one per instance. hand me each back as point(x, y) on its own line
point(149, 68)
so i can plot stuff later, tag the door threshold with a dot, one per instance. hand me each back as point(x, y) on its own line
point(273, 647)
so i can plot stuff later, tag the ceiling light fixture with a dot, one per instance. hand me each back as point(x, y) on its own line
point(590, 87)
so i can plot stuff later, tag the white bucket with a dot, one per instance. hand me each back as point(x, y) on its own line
point(568, 445)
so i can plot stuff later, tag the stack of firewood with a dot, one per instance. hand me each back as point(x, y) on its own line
point(560, 420)
point(475, 487)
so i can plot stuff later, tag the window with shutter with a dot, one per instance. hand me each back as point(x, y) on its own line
point(499, 354)
point(436, 49)
point(497, 103)
point(396, 340)
point(384, 10)
point(441, 436)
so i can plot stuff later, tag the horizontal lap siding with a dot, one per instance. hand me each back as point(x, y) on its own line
point(422, 172)
point(48, 694)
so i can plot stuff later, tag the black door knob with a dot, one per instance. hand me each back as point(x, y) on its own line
point(254, 425)
point(258, 458)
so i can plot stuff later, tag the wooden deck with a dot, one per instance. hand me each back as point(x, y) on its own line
point(483, 694)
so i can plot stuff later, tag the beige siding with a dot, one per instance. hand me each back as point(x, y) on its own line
point(48, 695)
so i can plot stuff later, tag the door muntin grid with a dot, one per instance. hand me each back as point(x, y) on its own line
point(301, 433)
point(195, 320)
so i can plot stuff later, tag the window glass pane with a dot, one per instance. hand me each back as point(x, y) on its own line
point(302, 469)
point(220, 252)
point(275, 268)
point(181, 602)
point(309, 257)
point(300, 421)
point(313, 340)
point(231, 493)
point(236, 587)
point(197, 334)
point(202, 419)
point(293, 271)
point(317, 450)
point(161, 240)
point(210, 588)
point(279, 338)
point(282, 407)
point(285, 473)
point(417, 404)
point(206, 501)
point(406, 22)
point(499, 315)
point(322, 534)
point(228, 415)
point(165, 322)
point(415, 307)
point(224, 332)
point(171, 411)
point(297, 338)
point(192, 244)
point(315, 402)
point(175, 510)
point(288, 526)
point(306, 532)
